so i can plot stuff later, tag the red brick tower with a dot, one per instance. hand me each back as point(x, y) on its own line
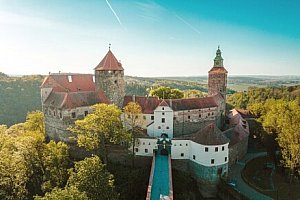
point(217, 77)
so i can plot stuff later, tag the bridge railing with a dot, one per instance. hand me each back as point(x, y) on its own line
point(151, 178)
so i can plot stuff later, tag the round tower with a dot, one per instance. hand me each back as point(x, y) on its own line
point(217, 77)
point(109, 77)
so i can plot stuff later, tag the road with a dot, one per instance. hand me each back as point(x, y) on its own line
point(235, 174)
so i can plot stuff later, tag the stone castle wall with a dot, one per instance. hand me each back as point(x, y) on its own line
point(207, 178)
point(185, 128)
point(113, 85)
point(238, 151)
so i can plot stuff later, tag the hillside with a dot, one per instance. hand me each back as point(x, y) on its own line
point(19, 95)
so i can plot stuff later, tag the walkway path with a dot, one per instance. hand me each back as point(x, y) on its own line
point(161, 180)
point(235, 174)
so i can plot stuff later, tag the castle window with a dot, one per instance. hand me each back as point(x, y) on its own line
point(60, 115)
point(73, 115)
point(159, 127)
point(144, 117)
point(163, 120)
point(186, 144)
point(206, 149)
point(180, 145)
point(163, 113)
point(189, 117)
point(223, 148)
point(149, 143)
point(86, 113)
point(194, 157)
point(70, 79)
point(136, 149)
point(163, 108)
point(182, 154)
point(216, 149)
point(212, 161)
point(116, 81)
point(168, 127)
point(146, 150)
point(54, 113)
point(225, 159)
point(174, 118)
point(208, 114)
point(200, 116)
point(152, 117)
point(143, 143)
point(212, 113)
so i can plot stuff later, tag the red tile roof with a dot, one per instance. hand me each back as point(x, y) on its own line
point(60, 82)
point(192, 103)
point(217, 70)
point(209, 135)
point(109, 63)
point(149, 104)
point(75, 99)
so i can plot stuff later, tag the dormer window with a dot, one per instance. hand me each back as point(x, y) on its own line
point(70, 78)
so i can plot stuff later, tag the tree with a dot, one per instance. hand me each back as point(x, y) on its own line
point(56, 162)
point(194, 94)
point(280, 119)
point(100, 127)
point(13, 175)
point(68, 193)
point(132, 118)
point(289, 137)
point(90, 176)
point(35, 122)
point(164, 92)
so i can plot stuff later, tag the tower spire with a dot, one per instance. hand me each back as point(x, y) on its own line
point(218, 61)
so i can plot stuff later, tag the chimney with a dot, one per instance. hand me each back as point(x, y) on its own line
point(133, 98)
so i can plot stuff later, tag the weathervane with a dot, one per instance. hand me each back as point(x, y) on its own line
point(109, 46)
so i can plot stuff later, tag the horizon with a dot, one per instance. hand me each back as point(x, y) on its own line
point(151, 38)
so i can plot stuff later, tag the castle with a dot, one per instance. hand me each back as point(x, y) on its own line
point(192, 126)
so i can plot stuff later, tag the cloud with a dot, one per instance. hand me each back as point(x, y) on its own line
point(188, 24)
point(150, 10)
point(115, 14)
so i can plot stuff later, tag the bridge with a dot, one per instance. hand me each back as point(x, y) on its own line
point(160, 181)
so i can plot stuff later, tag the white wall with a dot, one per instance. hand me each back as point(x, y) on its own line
point(145, 143)
point(158, 127)
point(191, 149)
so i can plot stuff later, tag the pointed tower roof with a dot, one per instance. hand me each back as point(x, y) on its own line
point(218, 63)
point(109, 63)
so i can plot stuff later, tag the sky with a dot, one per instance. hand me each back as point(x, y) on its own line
point(150, 37)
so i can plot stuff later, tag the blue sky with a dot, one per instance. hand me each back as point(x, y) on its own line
point(150, 37)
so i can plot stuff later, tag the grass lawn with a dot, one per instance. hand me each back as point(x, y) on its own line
point(273, 184)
